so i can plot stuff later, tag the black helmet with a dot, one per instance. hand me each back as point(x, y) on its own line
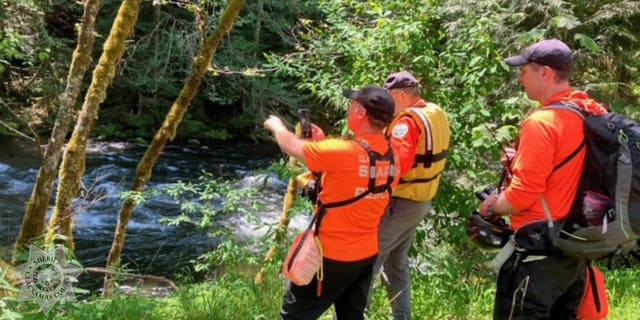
point(488, 234)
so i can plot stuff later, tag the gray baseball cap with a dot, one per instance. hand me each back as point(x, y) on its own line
point(553, 53)
point(402, 79)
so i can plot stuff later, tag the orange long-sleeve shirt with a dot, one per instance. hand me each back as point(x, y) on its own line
point(405, 136)
point(547, 137)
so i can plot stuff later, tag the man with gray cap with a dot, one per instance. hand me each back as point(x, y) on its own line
point(545, 175)
point(420, 134)
point(356, 180)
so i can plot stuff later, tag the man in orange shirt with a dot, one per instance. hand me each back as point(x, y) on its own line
point(420, 134)
point(349, 232)
point(546, 170)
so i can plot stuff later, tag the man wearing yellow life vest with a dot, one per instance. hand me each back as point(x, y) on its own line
point(420, 135)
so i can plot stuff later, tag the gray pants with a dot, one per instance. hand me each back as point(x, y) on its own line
point(396, 234)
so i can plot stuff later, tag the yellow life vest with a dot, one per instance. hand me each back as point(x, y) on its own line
point(422, 181)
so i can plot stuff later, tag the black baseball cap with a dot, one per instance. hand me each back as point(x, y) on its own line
point(553, 53)
point(402, 79)
point(376, 100)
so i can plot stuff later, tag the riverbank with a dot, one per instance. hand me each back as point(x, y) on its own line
point(233, 295)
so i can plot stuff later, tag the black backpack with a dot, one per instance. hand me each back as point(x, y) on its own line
point(605, 216)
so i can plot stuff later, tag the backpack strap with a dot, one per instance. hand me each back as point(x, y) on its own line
point(547, 211)
point(571, 156)
point(571, 107)
point(372, 187)
point(562, 105)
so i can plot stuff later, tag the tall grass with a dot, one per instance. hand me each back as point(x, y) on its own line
point(234, 296)
point(624, 293)
point(450, 294)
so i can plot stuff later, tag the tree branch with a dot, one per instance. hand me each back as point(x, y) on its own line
point(35, 138)
point(250, 72)
point(17, 132)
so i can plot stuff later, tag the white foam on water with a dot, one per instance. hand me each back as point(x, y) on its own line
point(134, 224)
point(92, 220)
point(263, 181)
point(4, 167)
point(16, 187)
point(170, 168)
point(107, 147)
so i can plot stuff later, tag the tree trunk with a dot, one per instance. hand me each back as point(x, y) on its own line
point(283, 225)
point(259, 17)
point(33, 223)
point(73, 160)
point(168, 130)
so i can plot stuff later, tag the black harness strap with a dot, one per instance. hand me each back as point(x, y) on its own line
point(373, 158)
point(429, 158)
point(372, 187)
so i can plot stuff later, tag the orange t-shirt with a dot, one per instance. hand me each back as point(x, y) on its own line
point(547, 137)
point(349, 233)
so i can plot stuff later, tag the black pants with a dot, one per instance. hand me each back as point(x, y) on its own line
point(551, 288)
point(345, 284)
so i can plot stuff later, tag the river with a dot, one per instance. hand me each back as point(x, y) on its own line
point(151, 247)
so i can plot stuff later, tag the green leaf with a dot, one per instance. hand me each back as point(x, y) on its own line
point(43, 56)
point(565, 22)
point(533, 35)
point(475, 61)
point(587, 42)
point(505, 66)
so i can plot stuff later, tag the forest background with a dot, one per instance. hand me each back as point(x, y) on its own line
point(283, 55)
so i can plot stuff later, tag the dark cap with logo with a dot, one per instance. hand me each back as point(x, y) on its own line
point(375, 100)
point(553, 53)
point(402, 79)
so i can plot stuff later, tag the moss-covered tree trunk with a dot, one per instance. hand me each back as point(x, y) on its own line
point(73, 160)
point(283, 225)
point(168, 130)
point(33, 223)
